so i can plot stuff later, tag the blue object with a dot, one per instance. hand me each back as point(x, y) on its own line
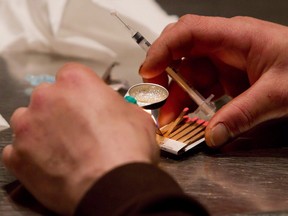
point(36, 80)
point(130, 99)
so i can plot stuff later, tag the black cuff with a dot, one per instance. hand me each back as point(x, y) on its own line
point(135, 189)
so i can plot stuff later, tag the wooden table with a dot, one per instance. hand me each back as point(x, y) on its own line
point(250, 178)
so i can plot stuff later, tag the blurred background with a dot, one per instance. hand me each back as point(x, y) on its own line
point(275, 11)
point(26, 26)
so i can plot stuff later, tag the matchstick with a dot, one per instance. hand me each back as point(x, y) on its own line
point(196, 137)
point(199, 126)
point(177, 121)
point(186, 128)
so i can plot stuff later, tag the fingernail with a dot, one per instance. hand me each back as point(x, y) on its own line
point(139, 70)
point(219, 135)
point(140, 67)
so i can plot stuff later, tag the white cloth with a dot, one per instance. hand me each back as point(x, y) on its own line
point(79, 28)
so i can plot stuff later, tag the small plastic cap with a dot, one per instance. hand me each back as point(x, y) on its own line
point(130, 99)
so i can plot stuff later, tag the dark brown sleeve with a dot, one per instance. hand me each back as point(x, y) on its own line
point(136, 189)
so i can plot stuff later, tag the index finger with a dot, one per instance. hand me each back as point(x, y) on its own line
point(228, 39)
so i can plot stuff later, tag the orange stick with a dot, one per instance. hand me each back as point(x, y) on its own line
point(196, 137)
point(199, 126)
point(188, 127)
point(177, 121)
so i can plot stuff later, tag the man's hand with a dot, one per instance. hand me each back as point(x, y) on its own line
point(242, 57)
point(72, 133)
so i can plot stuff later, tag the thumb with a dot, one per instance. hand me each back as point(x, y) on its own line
point(258, 104)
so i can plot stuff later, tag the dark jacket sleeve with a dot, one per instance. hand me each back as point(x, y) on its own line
point(137, 189)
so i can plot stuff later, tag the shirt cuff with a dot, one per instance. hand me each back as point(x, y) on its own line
point(136, 188)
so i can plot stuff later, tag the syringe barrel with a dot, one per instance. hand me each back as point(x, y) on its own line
point(141, 41)
point(193, 93)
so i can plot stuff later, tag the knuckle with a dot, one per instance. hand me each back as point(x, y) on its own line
point(73, 74)
point(245, 19)
point(245, 119)
point(168, 27)
point(191, 19)
point(39, 96)
point(68, 70)
point(18, 122)
point(278, 98)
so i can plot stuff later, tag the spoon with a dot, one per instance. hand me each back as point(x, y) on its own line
point(148, 95)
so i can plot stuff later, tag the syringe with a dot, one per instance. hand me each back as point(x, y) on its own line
point(206, 108)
